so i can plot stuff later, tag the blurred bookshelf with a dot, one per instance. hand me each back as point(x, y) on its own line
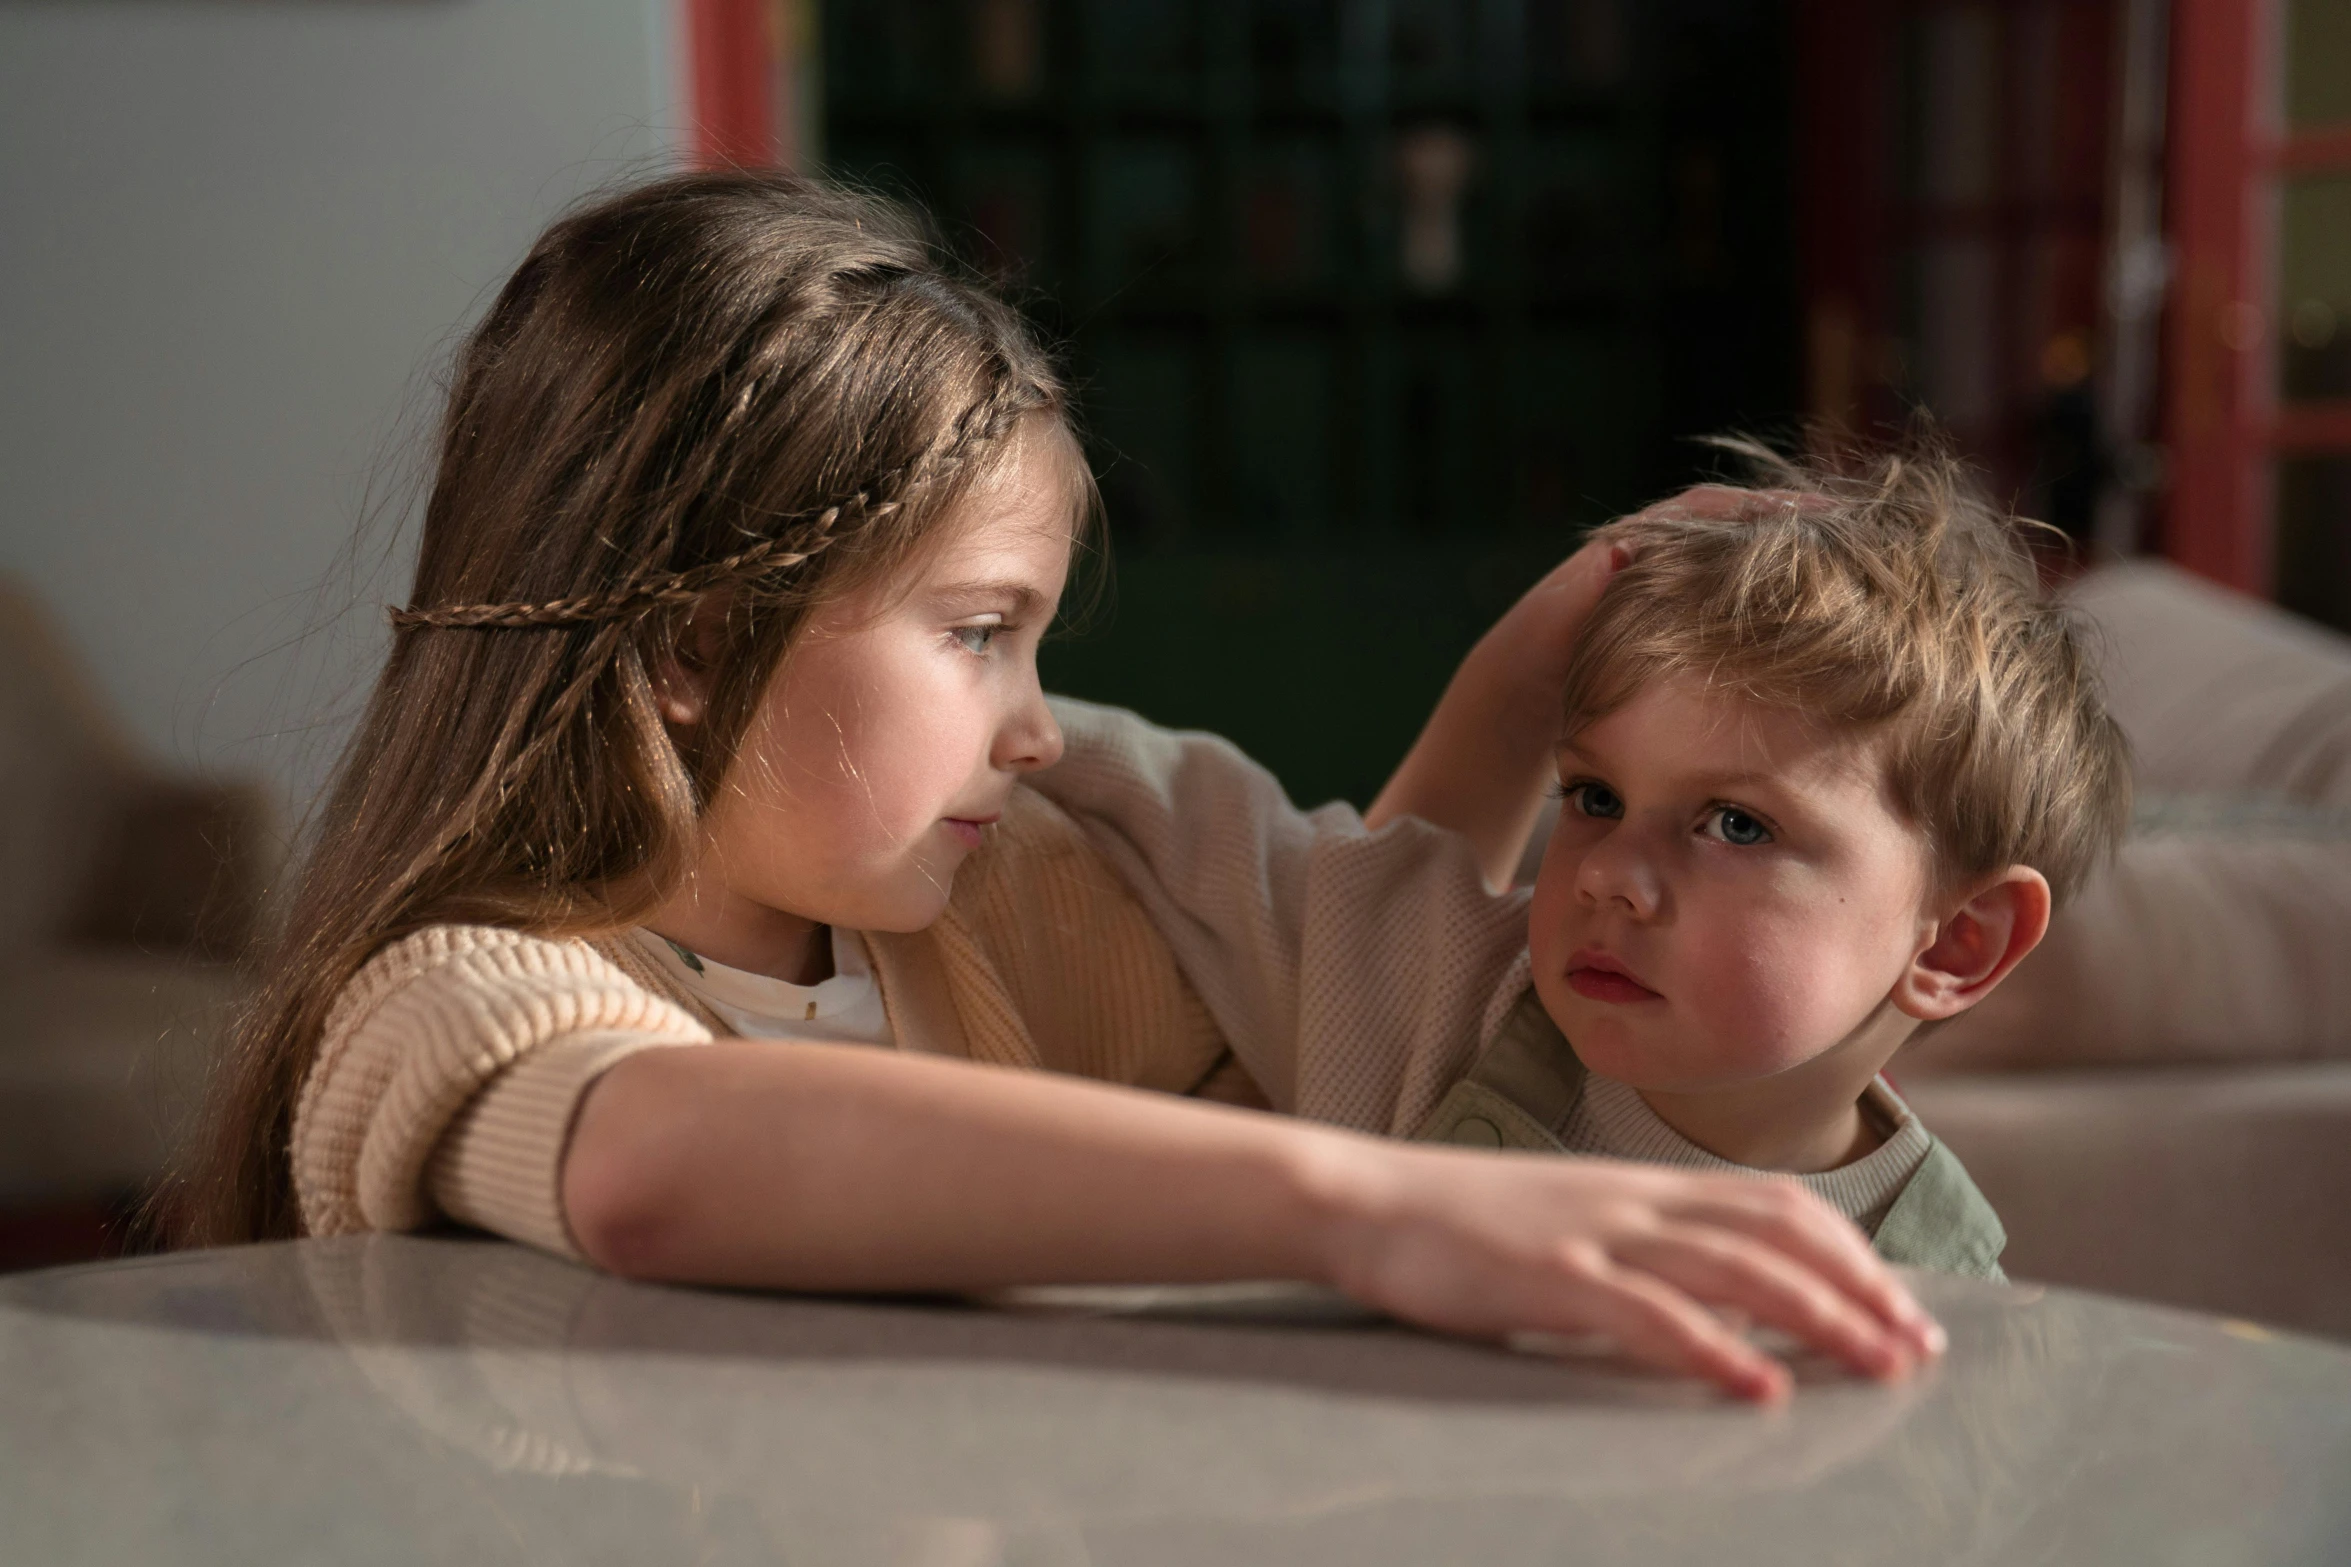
point(1371, 305)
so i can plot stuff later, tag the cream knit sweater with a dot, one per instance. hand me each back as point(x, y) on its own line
point(1355, 975)
point(452, 1065)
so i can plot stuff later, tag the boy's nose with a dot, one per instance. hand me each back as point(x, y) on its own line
point(1617, 871)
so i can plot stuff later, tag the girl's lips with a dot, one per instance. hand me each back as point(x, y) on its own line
point(967, 829)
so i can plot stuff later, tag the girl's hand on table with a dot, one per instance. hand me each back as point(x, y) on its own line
point(1496, 1246)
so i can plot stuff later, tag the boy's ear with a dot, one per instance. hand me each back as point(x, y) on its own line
point(1974, 946)
point(683, 675)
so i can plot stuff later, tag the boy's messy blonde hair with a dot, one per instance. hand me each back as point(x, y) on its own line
point(1882, 593)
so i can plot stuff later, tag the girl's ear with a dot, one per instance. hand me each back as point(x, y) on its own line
point(1972, 949)
point(682, 676)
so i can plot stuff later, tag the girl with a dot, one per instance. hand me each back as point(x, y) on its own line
point(705, 727)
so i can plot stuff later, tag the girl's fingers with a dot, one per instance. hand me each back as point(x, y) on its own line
point(1724, 1269)
point(1661, 1327)
point(1585, 574)
point(1714, 501)
point(1727, 503)
point(1781, 1216)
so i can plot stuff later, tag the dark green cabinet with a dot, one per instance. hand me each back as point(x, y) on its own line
point(1366, 302)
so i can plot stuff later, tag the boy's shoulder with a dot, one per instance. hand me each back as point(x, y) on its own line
point(1523, 1089)
point(1942, 1222)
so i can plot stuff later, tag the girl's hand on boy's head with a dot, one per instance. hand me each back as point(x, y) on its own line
point(1730, 503)
point(1497, 1246)
point(1540, 630)
point(1534, 638)
point(1481, 765)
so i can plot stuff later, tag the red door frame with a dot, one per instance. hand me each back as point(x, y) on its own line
point(2229, 148)
point(731, 46)
point(2219, 398)
point(1843, 144)
point(1860, 223)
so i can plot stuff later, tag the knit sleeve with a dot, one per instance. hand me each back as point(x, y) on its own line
point(448, 1075)
point(1041, 920)
point(1354, 972)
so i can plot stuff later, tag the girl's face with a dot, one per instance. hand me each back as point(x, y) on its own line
point(899, 721)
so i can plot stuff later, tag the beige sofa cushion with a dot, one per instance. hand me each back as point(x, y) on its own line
point(61, 763)
point(2222, 934)
point(105, 1061)
point(2203, 944)
point(2227, 1191)
point(2220, 693)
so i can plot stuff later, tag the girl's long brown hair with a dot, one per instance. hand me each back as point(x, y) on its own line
point(734, 383)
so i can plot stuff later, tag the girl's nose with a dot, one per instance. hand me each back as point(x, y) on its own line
point(1619, 870)
point(1031, 740)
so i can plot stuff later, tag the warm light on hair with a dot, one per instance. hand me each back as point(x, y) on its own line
point(1883, 594)
point(732, 390)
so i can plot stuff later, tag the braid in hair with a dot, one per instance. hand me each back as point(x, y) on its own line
point(976, 431)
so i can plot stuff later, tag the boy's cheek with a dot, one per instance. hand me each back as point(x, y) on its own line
point(1549, 909)
point(1788, 998)
point(1549, 941)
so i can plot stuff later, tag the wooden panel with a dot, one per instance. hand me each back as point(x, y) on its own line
point(2217, 335)
point(2312, 427)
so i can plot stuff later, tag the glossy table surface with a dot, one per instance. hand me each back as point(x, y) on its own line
point(403, 1400)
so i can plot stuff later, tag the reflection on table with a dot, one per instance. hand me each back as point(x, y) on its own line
point(402, 1398)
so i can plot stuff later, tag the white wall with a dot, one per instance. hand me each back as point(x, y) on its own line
point(235, 242)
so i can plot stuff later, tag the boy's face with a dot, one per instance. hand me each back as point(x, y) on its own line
point(1731, 893)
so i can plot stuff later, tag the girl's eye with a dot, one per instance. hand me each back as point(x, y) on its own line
point(1729, 824)
point(975, 639)
point(1595, 799)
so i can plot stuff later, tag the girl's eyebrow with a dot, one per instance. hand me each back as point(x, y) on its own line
point(1024, 598)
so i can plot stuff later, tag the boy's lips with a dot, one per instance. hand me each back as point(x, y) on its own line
point(967, 828)
point(1596, 976)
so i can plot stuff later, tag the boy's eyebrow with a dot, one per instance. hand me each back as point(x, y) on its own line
point(1711, 782)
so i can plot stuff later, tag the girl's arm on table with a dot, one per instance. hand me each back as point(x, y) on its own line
point(843, 1168)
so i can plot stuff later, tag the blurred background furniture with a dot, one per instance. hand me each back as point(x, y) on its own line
point(2159, 1102)
point(127, 897)
point(1371, 306)
point(1370, 303)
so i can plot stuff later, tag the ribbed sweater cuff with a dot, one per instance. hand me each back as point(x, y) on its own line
point(499, 1167)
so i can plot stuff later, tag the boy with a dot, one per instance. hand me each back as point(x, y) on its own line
point(1829, 757)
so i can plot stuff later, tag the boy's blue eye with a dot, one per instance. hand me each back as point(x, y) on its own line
point(1596, 799)
point(975, 639)
point(1734, 826)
